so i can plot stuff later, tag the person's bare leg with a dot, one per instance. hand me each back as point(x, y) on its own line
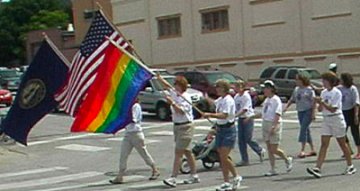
point(344, 147)
point(191, 161)
point(177, 161)
point(325, 140)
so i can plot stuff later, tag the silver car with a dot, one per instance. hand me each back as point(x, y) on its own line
point(152, 98)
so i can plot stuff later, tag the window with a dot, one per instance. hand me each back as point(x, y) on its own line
point(169, 26)
point(89, 14)
point(267, 72)
point(213, 21)
point(292, 74)
point(280, 74)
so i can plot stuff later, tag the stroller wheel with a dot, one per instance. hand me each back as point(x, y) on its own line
point(184, 167)
point(208, 165)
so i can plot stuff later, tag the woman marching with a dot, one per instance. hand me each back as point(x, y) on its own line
point(244, 110)
point(272, 127)
point(182, 118)
point(350, 108)
point(303, 96)
point(225, 134)
point(134, 138)
point(330, 103)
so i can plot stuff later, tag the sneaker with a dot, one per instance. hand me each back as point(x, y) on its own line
point(170, 182)
point(314, 171)
point(192, 179)
point(236, 182)
point(271, 173)
point(262, 155)
point(242, 163)
point(350, 170)
point(289, 164)
point(224, 187)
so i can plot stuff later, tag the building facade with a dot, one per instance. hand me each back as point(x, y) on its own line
point(83, 13)
point(242, 36)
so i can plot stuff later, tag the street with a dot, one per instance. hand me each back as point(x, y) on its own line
point(56, 159)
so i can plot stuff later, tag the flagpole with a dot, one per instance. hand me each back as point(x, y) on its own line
point(56, 50)
point(113, 26)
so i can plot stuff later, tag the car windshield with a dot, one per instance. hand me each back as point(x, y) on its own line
point(314, 74)
point(213, 77)
point(159, 87)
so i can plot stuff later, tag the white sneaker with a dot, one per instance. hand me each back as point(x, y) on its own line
point(236, 182)
point(271, 173)
point(170, 182)
point(289, 164)
point(192, 179)
point(350, 170)
point(316, 172)
point(224, 187)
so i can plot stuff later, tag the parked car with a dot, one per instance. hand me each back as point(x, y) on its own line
point(284, 77)
point(10, 79)
point(152, 98)
point(5, 97)
point(204, 81)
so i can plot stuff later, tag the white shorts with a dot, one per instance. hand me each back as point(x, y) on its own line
point(334, 126)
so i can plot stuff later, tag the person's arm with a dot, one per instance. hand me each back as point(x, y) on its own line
point(136, 113)
point(163, 82)
point(291, 101)
point(313, 106)
point(216, 115)
point(357, 103)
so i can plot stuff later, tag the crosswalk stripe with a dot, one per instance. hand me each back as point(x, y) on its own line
point(213, 188)
point(61, 139)
point(47, 181)
point(35, 171)
point(79, 147)
point(103, 182)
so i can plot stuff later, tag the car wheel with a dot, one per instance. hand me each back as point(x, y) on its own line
point(163, 112)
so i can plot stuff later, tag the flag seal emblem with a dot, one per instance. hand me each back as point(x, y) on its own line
point(32, 94)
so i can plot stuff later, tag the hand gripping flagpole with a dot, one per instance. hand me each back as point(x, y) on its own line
point(147, 68)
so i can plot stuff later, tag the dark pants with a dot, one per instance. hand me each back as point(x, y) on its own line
point(349, 116)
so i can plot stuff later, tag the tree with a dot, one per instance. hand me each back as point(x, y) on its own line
point(18, 17)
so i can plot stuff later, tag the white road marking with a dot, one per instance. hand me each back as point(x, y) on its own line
point(62, 139)
point(35, 171)
point(47, 181)
point(162, 133)
point(213, 188)
point(74, 187)
point(78, 147)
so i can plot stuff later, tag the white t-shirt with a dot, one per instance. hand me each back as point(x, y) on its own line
point(272, 107)
point(225, 105)
point(334, 99)
point(135, 125)
point(185, 106)
point(244, 102)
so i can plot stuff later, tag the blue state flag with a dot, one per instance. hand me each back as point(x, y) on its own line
point(35, 97)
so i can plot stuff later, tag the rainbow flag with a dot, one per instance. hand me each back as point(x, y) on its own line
point(107, 106)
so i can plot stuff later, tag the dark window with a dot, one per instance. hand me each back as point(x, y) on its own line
point(292, 74)
point(280, 74)
point(267, 73)
point(169, 27)
point(89, 14)
point(215, 20)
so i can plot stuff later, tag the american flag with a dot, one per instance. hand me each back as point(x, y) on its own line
point(84, 65)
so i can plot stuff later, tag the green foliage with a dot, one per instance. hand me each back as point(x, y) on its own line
point(21, 16)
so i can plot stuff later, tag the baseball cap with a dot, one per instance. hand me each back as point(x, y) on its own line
point(332, 65)
point(268, 83)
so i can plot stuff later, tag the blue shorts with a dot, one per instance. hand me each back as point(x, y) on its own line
point(225, 137)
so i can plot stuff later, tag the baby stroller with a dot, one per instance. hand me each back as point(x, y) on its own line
point(204, 151)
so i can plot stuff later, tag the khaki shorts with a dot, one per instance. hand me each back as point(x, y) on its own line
point(183, 136)
point(266, 131)
point(334, 126)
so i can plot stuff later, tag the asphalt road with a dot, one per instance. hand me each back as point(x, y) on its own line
point(59, 160)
